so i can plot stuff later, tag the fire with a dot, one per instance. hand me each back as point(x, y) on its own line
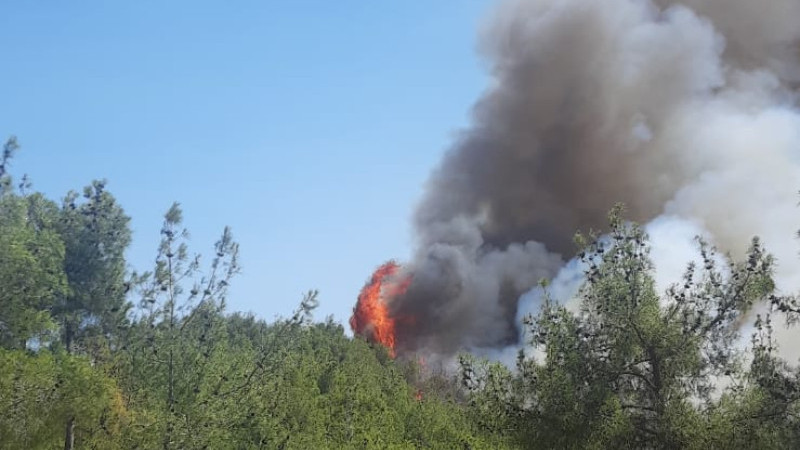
point(371, 316)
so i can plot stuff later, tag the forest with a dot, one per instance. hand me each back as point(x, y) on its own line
point(94, 356)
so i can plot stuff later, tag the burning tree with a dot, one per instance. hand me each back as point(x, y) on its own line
point(372, 316)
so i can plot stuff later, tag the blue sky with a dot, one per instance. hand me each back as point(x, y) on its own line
point(309, 127)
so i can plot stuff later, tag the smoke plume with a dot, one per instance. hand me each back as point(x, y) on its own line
point(686, 112)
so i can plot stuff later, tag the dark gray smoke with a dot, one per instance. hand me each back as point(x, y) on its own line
point(681, 111)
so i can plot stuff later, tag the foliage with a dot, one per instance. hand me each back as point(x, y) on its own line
point(31, 269)
point(40, 392)
point(95, 232)
point(94, 357)
point(628, 368)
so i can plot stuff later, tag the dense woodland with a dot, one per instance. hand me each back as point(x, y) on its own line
point(93, 356)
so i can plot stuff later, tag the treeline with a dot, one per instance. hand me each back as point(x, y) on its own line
point(95, 357)
point(92, 356)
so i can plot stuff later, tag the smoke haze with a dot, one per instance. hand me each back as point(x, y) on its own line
point(687, 113)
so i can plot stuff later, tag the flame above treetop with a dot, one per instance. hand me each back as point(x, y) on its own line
point(371, 315)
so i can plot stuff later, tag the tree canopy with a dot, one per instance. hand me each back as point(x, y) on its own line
point(95, 356)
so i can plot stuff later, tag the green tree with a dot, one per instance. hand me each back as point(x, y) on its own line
point(31, 261)
point(630, 368)
point(40, 392)
point(9, 149)
point(96, 233)
point(171, 347)
point(31, 269)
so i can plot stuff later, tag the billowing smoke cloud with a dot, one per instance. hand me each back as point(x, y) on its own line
point(685, 112)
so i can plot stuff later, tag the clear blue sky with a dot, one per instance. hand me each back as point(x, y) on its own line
point(309, 127)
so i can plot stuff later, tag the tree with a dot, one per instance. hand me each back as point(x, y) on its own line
point(9, 149)
point(31, 260)
point(174, 340)
point(630, 368)
point(96, 233)
point(40, 392)
point(31, 269)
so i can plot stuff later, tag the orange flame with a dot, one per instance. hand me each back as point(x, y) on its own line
point(371, 317)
